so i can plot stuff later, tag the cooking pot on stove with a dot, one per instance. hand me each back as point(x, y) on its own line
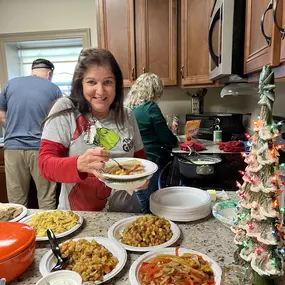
point(198, 166)
point(17, 249)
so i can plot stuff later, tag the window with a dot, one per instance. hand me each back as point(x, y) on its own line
point(63, 58)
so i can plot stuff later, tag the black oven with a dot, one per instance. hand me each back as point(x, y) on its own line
point(209, 122)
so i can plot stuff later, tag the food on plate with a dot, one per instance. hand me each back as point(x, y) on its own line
point(130, 167)
point(174, 269)
point(57, 220)
point(88, 258)
point(8, 212)
point(147, 230)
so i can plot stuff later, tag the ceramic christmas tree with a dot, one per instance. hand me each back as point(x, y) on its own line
point(258, 226)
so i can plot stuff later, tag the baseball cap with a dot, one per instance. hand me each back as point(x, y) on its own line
point(42, 63)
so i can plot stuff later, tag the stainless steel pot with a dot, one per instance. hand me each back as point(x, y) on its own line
point(200, 166)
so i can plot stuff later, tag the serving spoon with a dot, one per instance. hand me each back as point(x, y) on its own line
point(61, 261)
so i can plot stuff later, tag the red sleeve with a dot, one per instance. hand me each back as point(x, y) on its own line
point(55, 166)
point(140, 154)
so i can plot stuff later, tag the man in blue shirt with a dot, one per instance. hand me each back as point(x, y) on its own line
point(24, 104)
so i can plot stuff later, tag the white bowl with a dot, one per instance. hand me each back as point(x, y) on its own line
point(225, 212)
point(61, 277)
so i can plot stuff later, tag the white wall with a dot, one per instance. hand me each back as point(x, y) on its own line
point(14, 67)
point(40, 15)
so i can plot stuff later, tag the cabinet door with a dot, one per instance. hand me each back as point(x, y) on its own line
point(195, 17)
point(257, 51)
point(279, 19)
point(156, 38)
point(116, 33)
point(3, 191)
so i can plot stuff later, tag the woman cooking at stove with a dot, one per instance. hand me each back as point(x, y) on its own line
point(83, 129)
point(142, 99)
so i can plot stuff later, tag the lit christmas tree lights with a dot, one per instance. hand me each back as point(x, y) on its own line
point(258, 227)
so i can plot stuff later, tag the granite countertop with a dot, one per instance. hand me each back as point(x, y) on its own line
point(208, 236)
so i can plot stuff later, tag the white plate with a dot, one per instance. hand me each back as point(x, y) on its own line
point(128, 186)
point(133, 273)
point(64, 234)
point(180, 198)
point(21, 216)
point(47, 262)
point(181, 217)
point(119, 226)
point(149, 168)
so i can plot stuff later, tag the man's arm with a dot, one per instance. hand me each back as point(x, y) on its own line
point(2, 118)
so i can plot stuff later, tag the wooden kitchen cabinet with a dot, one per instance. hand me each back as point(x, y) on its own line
point(259, 51)
point(3, 192)
point(194, 65)
point(142, 35)
point(156, 38)
point(116, 33)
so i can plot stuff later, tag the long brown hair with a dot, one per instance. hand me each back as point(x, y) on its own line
point(99, 57)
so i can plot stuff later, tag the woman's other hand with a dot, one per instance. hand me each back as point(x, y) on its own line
point(92, 161)
point(144, 186)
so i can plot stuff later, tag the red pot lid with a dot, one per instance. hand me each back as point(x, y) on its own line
point(14, 239)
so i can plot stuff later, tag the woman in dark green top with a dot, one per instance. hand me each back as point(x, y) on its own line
point(142, 98)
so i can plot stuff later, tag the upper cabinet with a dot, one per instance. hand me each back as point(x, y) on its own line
point(116, 33)
point(142, 35)
point(195, 17)
point(156, 38)
point(279, 20)
point(262, 39)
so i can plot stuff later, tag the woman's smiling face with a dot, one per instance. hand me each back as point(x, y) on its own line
point(99, 89)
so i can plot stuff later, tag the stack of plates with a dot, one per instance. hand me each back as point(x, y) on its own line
point(182, 204)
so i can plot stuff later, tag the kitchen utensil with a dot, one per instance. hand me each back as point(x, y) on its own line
point(201, 166)
point(17, 249)
point(61, 261)
point(121, 167)
point(178, 155)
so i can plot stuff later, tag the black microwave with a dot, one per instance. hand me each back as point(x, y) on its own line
point(228, 123)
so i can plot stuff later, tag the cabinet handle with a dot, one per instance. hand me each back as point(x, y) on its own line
point(267, 38)
point(133, 74)
point(280, 29)
point(143, 69)
point(181, 71)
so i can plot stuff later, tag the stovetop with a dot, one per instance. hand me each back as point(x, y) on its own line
point(224, 178)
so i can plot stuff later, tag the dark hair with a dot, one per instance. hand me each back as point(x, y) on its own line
point(99, 57)
point(42, 63)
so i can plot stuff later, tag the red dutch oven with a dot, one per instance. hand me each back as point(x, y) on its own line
point(17, 249)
